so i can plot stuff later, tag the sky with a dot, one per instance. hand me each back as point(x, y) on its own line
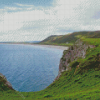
point(34, 20)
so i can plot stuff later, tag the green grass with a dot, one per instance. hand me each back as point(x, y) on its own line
point(70, 39)
point(68, 87)
point(92, 41)
point(57, 44)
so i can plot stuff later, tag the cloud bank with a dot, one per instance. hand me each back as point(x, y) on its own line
point(30, 22)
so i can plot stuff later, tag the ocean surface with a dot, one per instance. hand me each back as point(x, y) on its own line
point(28, 67)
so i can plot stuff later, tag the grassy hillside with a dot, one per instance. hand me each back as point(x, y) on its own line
point(69, 39)
point(81, 82)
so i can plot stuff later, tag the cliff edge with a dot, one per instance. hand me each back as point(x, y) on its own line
point(4, 84)
point(77, 51)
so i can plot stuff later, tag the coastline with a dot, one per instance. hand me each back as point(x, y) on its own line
point(48, 46)
point(53, 46)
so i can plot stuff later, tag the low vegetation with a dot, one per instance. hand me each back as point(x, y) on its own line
point(69, 39)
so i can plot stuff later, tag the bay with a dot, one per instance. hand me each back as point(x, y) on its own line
point(28, 67)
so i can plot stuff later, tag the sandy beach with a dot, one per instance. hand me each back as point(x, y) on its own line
point(53, 46)
point(48, 46)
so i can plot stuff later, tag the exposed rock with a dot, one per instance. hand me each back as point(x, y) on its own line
point(78, 50)
point(8, 84)
point(2, 76)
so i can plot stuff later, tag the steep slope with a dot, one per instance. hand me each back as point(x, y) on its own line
point(77, 51)
point(4, 84)
point(69, 39)
point(82, 79)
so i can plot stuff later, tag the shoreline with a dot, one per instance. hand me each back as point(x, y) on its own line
point(48, 46)
point(53, 46)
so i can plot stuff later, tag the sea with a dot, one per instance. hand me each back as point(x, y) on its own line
point(29, 68)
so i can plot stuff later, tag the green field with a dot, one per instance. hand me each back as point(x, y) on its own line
point(69, 39)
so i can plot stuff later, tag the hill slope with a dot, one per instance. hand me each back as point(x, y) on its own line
point(69, 39)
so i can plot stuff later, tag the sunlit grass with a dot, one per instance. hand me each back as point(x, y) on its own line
point(91, 41)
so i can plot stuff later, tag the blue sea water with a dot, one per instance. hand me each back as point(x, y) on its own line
point(27, 67)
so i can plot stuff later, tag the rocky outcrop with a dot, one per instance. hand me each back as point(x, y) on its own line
point(5, 82)
point(78, 50)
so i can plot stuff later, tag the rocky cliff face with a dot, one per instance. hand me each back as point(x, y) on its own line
point(78, 50)
point(5, 82)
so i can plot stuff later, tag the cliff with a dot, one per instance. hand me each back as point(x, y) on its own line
point(4, 84)
point(77, 51)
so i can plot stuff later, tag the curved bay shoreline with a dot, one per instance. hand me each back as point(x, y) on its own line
point(53, 46)
point(42, 45)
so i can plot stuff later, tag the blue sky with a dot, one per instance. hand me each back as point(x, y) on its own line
point(32, 20)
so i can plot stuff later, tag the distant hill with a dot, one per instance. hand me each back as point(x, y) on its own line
point(69, 38)
point(32, 42)
point(26, 42)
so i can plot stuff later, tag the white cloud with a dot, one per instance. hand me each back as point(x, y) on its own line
point(23, 5)
point(36, 23)
point(12, 8)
